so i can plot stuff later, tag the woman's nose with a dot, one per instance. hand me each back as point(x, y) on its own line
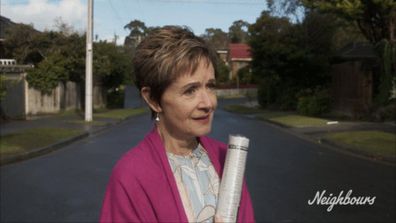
point(206, 100)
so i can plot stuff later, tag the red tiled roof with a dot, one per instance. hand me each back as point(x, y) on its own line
point(239, 51)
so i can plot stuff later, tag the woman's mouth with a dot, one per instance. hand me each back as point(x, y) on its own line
point(202, 119)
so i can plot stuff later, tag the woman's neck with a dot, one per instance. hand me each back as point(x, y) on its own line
point(176, 144)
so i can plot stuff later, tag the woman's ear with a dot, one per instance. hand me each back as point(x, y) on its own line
point(146, 93)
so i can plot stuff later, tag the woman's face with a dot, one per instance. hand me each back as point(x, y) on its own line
point(187, 105)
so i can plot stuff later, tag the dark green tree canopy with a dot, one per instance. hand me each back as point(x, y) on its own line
point(289, 57)
point(376, 19)
point(238, 32)
point(138, 31)
point(216, 37)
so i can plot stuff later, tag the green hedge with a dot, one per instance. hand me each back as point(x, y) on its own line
point(314, 103)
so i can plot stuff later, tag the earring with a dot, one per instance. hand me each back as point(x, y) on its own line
point(157, 119)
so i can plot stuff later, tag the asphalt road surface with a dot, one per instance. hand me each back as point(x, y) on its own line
point(283, 173)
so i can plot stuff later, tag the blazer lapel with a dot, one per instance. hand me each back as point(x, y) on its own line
point(160, 151)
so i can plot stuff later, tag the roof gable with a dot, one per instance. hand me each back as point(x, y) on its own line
point(239, 51)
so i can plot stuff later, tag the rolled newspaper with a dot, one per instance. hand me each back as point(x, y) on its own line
point(231, 181)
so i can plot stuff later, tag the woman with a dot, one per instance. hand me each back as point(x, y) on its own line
point(173, 174)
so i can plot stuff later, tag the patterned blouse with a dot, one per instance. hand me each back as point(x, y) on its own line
point(198, 184)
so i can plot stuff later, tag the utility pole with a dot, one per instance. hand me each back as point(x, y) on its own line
point(88, 65)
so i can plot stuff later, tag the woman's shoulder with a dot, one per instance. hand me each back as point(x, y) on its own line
point(133, 162)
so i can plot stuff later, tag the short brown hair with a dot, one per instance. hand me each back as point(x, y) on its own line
point(167, 53)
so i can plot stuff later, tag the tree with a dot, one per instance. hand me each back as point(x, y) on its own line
point(3, 87)
point(63, 28)
point(20, 41)
point(216, 37)
point(112, 65)
point(376, 19)
point(289, 57)
point(238, 32)
point(223, 72)
point(292, 9)
point(138, 31)
point(47, 75)
point(113, 68)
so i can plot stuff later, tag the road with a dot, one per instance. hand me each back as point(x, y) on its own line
point(283, 173)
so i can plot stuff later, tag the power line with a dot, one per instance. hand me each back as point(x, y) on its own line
point(216, 2)
point(115, 11)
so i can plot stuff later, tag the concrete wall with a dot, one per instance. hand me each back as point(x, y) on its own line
point(63, 97)
point(72, 96)
point(22, 101)
point(39, 103)
point(98, 97)
point(13, 104)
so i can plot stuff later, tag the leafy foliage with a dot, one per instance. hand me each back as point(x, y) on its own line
point(223, 72)
point(216, 37)
point(3, 87)
point(245, 75)
point(138, 31)
point(238, 32)
point(314, 102)
point(112, 65)
point(48, 73)
point(288, 57)
point(387, 52)
point(20, 42)
point(59, 56)
point(115, 98)
point(375, 18)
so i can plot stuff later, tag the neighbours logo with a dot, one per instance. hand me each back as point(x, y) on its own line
point(347, 199)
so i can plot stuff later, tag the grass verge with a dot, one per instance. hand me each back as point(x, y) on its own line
point(120, 113)
point(92, 123)
point(377, 143)
point(242, 109)
point(299, 121)
point(289, 119)
point(13, 144)
point(231, 96)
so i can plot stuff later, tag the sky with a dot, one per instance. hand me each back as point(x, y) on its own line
point(110, 16)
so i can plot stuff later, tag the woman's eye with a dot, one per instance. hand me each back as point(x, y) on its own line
point(190, 91)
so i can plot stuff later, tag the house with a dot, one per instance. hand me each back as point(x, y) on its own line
point(223, 55)
point(236, 57)
point(239, 57)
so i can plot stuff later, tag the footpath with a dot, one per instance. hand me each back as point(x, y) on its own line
point(319, 135)
point(357, 138)
point(71, 122)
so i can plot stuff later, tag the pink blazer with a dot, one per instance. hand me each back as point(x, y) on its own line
point(142, 187)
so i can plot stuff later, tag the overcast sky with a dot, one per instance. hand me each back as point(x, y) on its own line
point(110, 16)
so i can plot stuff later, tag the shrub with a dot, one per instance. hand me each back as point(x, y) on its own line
point(245, 75)
point(115, 98)
point(386, 113)
point(313, 103)
point(223, 72)
point(287, 99)
point(3, 86)
point(266, 93)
